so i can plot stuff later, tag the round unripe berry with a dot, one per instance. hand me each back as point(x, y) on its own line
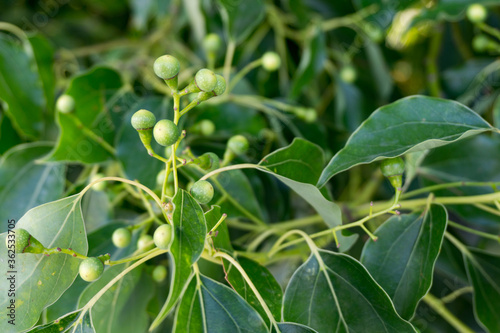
point(348, 74)
point(207, 127)
point(271, 61)
point(310, 116)
point(476, 13)
point(121, 237)
point(392, 166)
point(143, 120)
point(220, 86)
point(163, 236)
point(159, 273)
point(481, 43)
point(238, 144)
point(65, 104)
point(208, 161)
point(202, 191)
point(166, 133)
point(212, 42)
point(167, 67)
point(91, 269)
point(205, 80)
point(98, 186)
point(145, 243)
point(24, 242)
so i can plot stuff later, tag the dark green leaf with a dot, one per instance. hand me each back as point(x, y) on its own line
point(265, 283)
point(220, 237)
point(128, 298)
point(67, 324)
point(8, 135)
point(241, 17)
point(402, 259)
point(20, 89)
point(349, 105)
point(483, 270)
point(208, 306)
point(40, 279)
point(311, 62)
point(189, 240)
point(385, 9)
point(94, 92)
point(381, 75)
point(24, 184)
point(410, 124)
point(333, 292)
point(44, 57)
point(294, 328)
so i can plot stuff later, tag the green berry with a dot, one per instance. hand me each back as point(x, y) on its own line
point(392, 166)
point(166, 133)
point(220, 86)
point(477, 13)
point(23, 242)
point(159, 273)
point(208, 161)
point(167, 67)
point(91, 269)
point(202, 191)
point(121, 237)
point(481, 43)
point(212, 43)
point(310, 116)
point(163, 236)
point(238, 144)
point(143, 120)
point(145, 243)
point(98, 186)
point(205, 80)
point(271, 61)
point(348, 74)
point(207, 127)
point(65, 104)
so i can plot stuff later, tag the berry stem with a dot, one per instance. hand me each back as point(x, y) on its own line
point(231, 47)
point(438, 306)
point(244, 71)
point(475, 232)
point(70, 252)
point(91, 135)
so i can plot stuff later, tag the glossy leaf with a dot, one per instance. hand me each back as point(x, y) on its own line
point(209, 306)
point(311, 62)
point(20, 89)
point(294, 328)
point(411, 124)
point(40, 279)
point(92, 91)
point(483, 270)
point(402, 259)
point(25, 184)
point(128, 298)
point(265, 283)
point(330, 291)
point(220, 237)
point(189, 240)
point(241, 17)
point(69, 323)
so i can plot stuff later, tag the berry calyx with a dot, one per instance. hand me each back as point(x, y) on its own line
point(143, 120)
point(393, 168)
point(145, 243)
point(91, 269)
point(24, 242)
point(166, 133)
point(238, 144)
point(212, 43)
point(202, 191)
point(167, 67)
point(271, 61)
point(205, 80)
point(121, 237)
point(65, 104)
point(476, 13)
point(159, 273)
point(163, 236)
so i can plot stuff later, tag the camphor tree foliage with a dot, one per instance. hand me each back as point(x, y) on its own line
point(250, 166)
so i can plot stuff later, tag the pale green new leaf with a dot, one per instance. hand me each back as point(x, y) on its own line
point(40, 280)
point(69, 323)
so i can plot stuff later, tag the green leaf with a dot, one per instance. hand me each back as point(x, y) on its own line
point(411, 124)
point(44, 58)
point(449, 10)
point(208, 306)
point(189, 240)
point(402, 259)
point(385, 9)
point(265, 283)
point(94, 92)
point(222, 241)
point(128, 298)
point(67, 324)
point(137, 164)
point(294, 328)
point(24, 184)
point(20, 89)
point(8, 135)
point(241, 18)
point(96, 209)
point(381, 74)
point(483, 270)
point(41, 280)
point(311, 62)
point(333, 292)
